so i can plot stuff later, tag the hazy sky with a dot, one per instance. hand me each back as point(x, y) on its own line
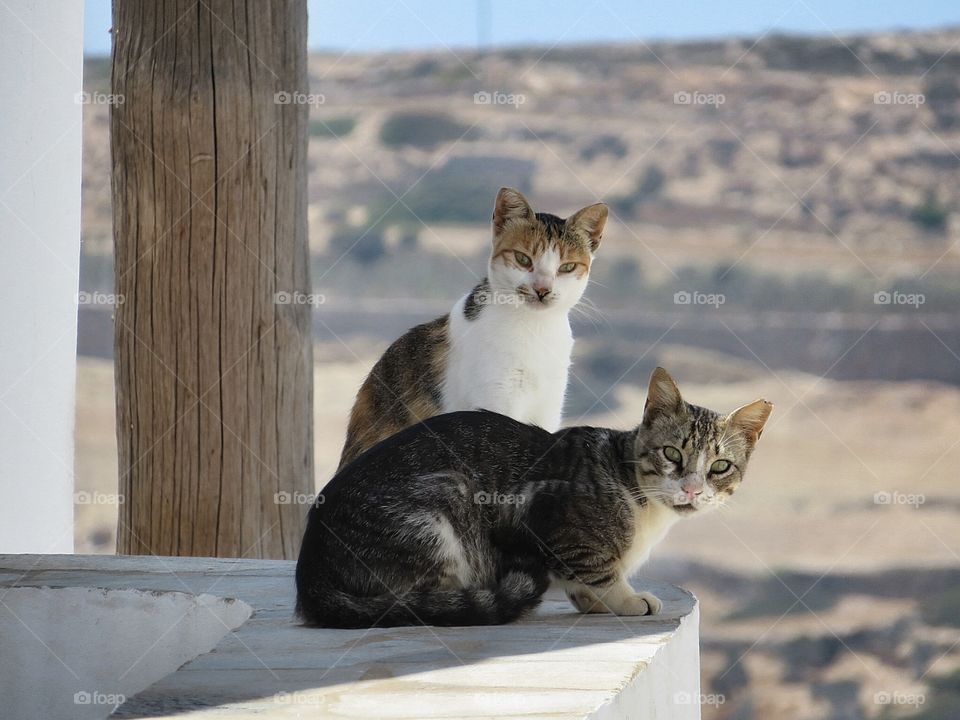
point(396, 24)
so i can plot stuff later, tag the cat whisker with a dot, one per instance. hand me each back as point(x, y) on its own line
point(589, 310)
point(658, 495)
point(591, 314)
point(586, 316)
point(587, 302)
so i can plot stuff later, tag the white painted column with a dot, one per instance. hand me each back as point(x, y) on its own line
point(41, 66)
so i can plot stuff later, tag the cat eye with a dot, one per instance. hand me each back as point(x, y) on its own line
point(568, 267)
point(672, 454)
point(522, 260)
point(720, 466)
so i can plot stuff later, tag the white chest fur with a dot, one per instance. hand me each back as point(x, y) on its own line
point(650, 523)
point(511, 360)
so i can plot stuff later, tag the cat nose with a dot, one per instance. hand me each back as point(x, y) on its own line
point(541, 291)
point(691, 489)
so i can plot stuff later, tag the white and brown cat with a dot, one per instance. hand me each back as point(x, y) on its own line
point(505, 346)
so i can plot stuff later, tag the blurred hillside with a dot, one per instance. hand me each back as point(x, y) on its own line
point(783, 223)
point(775, 199)
point(837, 155)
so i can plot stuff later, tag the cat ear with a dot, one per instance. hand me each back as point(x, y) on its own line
point(663, 395)
point(751, 418)
point(510, 204)
point(590, 221)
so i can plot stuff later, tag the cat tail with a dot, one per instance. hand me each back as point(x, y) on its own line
point(517, 593)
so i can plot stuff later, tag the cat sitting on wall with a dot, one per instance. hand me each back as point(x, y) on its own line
point(504, 347)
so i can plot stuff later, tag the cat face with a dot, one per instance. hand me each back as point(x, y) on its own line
point(540, 261)
point(691, 458)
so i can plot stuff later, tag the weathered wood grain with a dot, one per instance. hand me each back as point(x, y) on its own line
point(214, 376)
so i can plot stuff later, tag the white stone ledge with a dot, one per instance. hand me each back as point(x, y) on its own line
point(255, 662)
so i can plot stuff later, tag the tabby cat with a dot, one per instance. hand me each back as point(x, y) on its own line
point(504, 347)
point(466, 518)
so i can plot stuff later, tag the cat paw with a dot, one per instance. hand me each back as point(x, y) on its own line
point(653, 602)
point(584, 603)
point(641, 604)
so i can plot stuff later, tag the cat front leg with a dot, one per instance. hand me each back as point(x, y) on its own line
point(618, 598)
point(546, 409)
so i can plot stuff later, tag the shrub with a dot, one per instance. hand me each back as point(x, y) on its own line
point(460, 191)
point(420, 129)
point(931, 215)
point(941, 703)
point(332, 127)
point(364, 245)
point(604, 145)
point(649, 186)
point(942, 609)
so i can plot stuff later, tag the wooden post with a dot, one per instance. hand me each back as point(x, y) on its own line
point(213, 372)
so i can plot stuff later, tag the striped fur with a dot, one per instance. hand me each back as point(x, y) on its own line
point(465, 518)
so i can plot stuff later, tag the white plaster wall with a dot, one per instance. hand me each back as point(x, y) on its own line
point(41, 62)
point(669, 687)
point(76, 653)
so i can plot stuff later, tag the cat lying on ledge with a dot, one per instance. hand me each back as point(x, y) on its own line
point(466, 518)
